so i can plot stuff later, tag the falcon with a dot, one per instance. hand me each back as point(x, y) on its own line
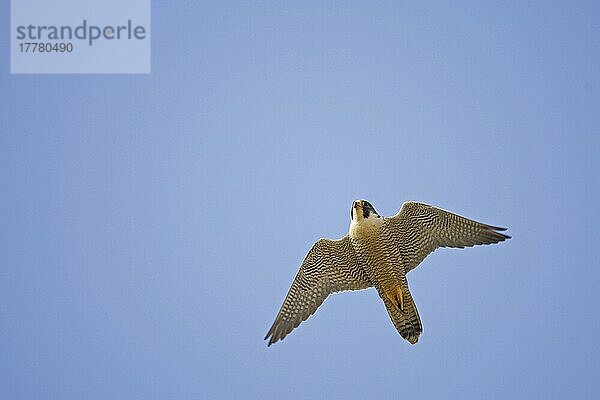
point(378, 252)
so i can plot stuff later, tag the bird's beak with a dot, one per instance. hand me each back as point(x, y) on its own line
point(357, 204)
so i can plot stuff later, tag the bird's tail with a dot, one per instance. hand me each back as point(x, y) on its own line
point(403, 312)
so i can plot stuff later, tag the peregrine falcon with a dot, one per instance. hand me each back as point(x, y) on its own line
point(377, 252)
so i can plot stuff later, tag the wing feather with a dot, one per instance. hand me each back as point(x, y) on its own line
point(419, 229)
point(330, 266)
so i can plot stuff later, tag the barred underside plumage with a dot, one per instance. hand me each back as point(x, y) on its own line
point(382, 261)
point(378, 254)
point(330, 266)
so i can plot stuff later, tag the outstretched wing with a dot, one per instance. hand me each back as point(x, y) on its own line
point(419, 229)
point(330, 266)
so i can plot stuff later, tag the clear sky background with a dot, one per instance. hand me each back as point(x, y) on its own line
point(151, 225)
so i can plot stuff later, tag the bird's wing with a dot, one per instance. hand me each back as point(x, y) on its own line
point(419, 229)
point(330, 266)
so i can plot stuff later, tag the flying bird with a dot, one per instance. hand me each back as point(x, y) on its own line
point(378, 252)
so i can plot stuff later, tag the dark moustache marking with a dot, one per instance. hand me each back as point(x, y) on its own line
point(367, 210)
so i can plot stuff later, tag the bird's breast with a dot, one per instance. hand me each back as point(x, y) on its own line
point(366, 229)
point(379, 259)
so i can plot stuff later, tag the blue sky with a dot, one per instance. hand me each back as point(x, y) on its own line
point(153, 223)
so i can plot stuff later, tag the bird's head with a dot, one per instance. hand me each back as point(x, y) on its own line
point(362, 209)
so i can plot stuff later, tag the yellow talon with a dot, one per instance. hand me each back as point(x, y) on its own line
point(397, 298)
point(400, 295)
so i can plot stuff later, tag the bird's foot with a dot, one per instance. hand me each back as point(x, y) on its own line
point(396, 296)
